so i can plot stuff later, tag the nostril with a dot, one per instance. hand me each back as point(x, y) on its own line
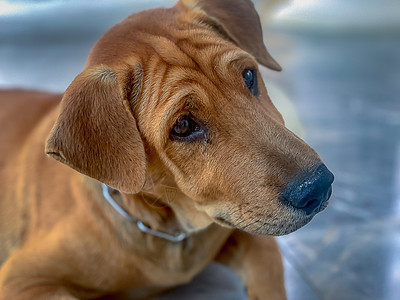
point(311, 203)
point(311, 206)
point(309, 190)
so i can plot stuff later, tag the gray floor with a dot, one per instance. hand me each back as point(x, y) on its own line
point(347, 91)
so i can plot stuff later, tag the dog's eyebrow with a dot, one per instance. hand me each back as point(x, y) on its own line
point(177, 102)
point(229, 58)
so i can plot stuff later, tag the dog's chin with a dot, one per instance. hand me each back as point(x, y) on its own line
point(292, 221)
point(282, 229)
point(268, 227)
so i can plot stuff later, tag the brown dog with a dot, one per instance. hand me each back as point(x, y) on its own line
point(171, 111)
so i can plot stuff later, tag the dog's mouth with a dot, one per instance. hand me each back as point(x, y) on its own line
point(290, 220)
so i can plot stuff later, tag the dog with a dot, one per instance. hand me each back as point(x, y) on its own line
point(168, 155)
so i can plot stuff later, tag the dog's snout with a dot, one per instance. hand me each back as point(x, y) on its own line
point(309, 191)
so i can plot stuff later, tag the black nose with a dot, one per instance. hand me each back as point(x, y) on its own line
point(310, 190)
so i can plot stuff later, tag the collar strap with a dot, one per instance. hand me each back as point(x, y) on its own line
point(142, 227)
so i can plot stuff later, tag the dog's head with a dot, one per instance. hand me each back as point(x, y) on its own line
point(174, 97)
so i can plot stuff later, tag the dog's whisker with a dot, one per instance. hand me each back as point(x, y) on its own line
point(235, 211)
point(246, 220)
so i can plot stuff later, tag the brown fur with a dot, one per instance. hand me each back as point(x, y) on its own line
point(61, 240)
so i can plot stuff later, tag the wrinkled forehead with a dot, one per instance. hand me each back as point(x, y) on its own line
point(198, 59)
point(197, 49)
point(192, 70)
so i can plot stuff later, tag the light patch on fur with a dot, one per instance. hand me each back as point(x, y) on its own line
point(104, 74)
point(229, 57)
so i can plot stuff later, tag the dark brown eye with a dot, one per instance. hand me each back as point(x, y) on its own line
point(250, 79)
point(185, 127)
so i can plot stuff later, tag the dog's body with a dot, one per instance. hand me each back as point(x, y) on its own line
point(226, 164)
point(58, 216)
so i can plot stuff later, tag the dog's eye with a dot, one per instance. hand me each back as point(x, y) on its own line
point(250, 79)
point(186, 128)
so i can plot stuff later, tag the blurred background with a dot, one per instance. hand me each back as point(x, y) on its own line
point(341, 72)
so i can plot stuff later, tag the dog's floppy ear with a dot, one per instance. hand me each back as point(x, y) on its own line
point(238, 21)
point(96, 132)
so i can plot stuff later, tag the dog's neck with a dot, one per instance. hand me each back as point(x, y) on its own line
point(163, 211)
point(160, 205)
